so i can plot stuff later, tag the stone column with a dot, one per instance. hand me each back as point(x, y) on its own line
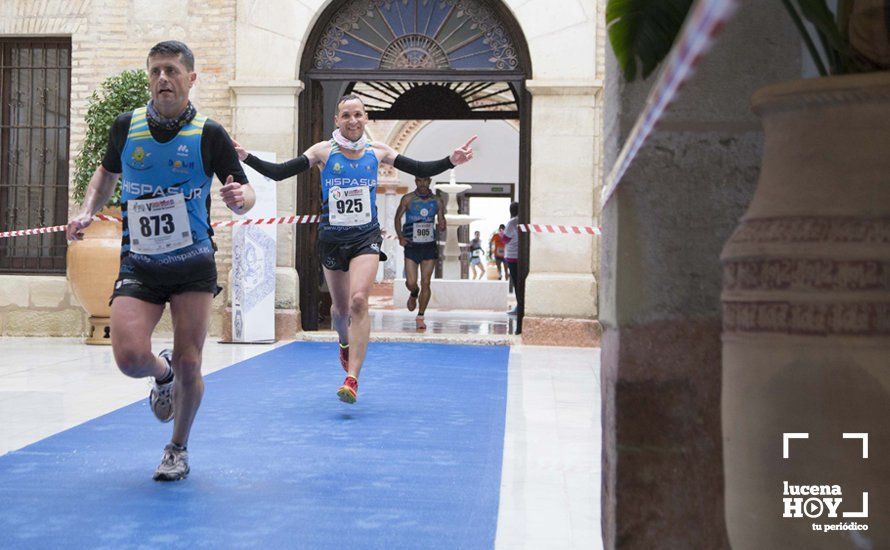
point(265, 119)
point(560, 291)
point(663, 230)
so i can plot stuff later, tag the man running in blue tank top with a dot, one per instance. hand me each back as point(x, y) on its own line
point(419, 236)
point(166, 154)
point(349, 233)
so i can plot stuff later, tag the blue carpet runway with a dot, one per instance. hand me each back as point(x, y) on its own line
point(277, 461)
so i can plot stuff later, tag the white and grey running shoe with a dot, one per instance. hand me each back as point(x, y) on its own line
point(175, 464)
point(161, 396)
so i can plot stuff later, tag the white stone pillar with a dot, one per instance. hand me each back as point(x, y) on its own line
point(561, 288)
point(265, 118)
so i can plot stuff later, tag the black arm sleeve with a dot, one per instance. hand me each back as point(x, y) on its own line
point(219, 154)
point(420, 168)
point(117, 137)
point(279, 171)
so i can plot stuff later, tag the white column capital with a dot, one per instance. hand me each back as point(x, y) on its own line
point(542, 87)
point(266, 87)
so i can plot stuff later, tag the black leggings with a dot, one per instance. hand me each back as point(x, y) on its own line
point(518, 284)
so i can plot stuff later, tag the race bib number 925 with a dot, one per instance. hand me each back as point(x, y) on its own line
point(349, 206)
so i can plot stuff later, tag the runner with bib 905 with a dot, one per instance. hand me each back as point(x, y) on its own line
point(349, 233)
point(424, 215)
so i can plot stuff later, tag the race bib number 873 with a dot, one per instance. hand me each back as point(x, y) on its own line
point(158, 225)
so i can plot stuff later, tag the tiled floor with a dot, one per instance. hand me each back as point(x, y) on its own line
point(551, 467)
point(50, 384)
point(550, 484)
point(477, 323)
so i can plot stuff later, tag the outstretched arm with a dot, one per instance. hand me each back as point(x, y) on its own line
point(282, 170)
point(426, 169)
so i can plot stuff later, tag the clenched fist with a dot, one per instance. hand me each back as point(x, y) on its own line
point(232, 194)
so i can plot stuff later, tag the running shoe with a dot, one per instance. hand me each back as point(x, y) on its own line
point(174, 465)
point(161, 396)
point(418, 322)
point(349, 390)
point(412, 302)
point(344, 356)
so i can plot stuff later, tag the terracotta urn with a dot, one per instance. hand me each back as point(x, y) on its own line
point(806, 324)
point(93, 265)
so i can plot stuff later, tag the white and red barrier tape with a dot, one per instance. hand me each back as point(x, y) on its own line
point(696, 37)
point(291, 220)
point(282, 220)
point(53, 229)
point(564, 229)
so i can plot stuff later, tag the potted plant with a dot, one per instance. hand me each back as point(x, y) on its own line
point(806, 274)
point(93, 263)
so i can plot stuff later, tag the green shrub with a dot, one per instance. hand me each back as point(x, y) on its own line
point(116, 95)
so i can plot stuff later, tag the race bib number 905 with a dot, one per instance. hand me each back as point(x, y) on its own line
point(349, 206)
point(158, 225)
point(423, 232)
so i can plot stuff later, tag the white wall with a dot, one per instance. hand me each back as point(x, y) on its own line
point(495, 152)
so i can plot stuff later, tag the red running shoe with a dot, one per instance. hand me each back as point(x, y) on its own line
point(348, 391)
point(344, 357)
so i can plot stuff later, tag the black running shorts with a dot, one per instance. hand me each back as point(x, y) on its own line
point(156, 288)
point(337, 255)
point(421, 252)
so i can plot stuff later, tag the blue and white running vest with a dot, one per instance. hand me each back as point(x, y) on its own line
point(165, 194)
point(420, 220)
point(348, 196)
